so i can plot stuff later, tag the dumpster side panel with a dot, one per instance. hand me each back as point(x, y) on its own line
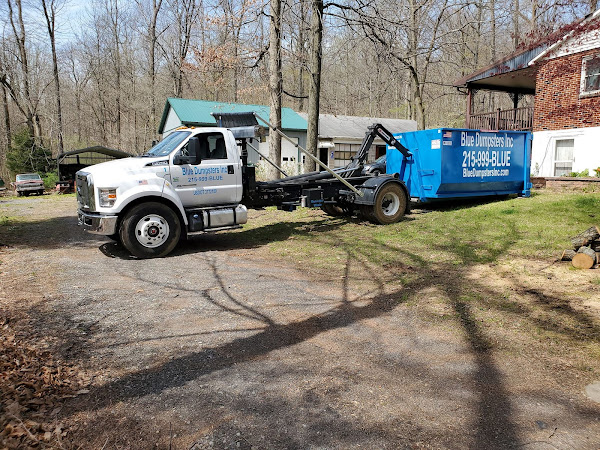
point(451, 163)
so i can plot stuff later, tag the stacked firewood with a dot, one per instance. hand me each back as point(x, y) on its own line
point(586, 249)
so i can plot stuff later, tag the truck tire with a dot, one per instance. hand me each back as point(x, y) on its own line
point(150, 230)
point(390, 204)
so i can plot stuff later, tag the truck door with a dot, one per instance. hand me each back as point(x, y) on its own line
point(214, 179)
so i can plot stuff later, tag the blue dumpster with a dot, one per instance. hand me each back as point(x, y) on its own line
point(454, 162)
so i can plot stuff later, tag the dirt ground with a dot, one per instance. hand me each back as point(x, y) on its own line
point(221, 346)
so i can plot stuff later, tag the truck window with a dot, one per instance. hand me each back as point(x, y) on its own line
point(212, 146)
point(168, 144)
point(216, 146)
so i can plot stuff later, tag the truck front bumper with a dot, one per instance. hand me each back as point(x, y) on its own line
point(97, 223)
point(29, 188)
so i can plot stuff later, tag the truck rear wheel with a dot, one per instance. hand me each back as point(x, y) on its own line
point(390, 204)
point(150, 230)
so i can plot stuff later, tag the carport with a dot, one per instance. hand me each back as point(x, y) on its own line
point(69, 163)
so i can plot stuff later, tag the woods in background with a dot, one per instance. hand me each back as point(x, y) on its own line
point(75, 73)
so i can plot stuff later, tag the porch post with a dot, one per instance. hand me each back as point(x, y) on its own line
point(469, 106)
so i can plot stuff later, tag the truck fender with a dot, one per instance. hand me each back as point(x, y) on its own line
point(170, 194)
point(373, 185)
point(147, 193)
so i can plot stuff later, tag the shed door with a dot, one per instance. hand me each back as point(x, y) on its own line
point(563, 157)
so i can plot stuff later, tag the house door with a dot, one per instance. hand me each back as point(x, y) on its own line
point(323, 156)
point(380, 151)
point(563, 157)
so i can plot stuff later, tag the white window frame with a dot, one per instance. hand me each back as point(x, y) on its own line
point(582, 91)
point(555, 161)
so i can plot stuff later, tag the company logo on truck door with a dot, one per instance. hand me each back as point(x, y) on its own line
point(195, 170)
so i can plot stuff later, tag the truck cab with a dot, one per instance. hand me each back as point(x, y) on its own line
point(188, 183)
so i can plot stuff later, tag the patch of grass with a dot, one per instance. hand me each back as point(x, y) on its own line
point(6, 221)
point(458, 234)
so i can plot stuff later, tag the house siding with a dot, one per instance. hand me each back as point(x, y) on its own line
point(558, 105)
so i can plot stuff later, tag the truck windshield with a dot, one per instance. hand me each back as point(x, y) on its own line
point(28, 176)
point(168, 144)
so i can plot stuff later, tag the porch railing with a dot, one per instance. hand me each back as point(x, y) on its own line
point(519, 119)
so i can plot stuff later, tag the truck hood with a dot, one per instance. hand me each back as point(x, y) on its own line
point(125, 168)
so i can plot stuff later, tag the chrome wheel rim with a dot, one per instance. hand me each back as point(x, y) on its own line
point(152, 231)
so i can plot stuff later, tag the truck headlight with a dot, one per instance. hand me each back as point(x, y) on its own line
point(108, 197)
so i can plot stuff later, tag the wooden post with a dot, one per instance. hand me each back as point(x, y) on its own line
point(498, 120)
point(469, 107)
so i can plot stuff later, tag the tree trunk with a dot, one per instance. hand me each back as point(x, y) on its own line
point(6, 118)
point(156, 5)
point(314, 86)
point(567, 255)
point(516, 14)
point(586, 237)
point(27, 104)
point(275, 86)
point(584, 259)
point(50, 14)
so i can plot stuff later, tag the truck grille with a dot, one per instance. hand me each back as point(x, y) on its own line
point(85, 191)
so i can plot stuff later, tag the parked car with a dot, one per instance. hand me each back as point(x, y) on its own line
point(376, 167)
point(26, 183)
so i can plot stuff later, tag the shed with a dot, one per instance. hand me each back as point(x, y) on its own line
point(340, 136)
point(201, 113)
point(69, 163)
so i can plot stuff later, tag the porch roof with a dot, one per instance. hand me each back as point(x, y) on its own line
point(516, 72)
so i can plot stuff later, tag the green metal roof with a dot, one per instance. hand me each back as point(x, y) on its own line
point(197, 112)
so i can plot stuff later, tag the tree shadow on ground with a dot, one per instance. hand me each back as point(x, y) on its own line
point(493, 423)
point(493, 412)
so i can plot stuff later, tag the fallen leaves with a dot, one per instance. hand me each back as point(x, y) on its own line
point(33, 387)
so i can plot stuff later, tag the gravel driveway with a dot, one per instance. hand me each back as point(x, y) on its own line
point(228, 347)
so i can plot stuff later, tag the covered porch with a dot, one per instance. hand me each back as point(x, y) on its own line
point(514, 76)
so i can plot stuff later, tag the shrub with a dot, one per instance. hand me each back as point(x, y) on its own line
point(50, 180)
point(583, 173)
point(26, 156)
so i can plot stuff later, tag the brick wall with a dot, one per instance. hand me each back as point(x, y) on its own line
point(573, 184)
point(557, 102)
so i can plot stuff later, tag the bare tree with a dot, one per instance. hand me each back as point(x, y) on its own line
point(50, 8)
point(151, 37)
point(314, 85)
point(24, 101)
point(275, 84)
point(184, 14)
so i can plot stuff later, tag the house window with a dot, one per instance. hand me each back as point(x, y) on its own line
point(343, 154)
point(563, 157)
point(590, 75)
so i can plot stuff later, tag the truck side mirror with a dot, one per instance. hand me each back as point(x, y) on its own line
point(193, 153)
point(194, 150)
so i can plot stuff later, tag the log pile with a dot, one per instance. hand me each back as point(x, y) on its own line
point(585, 253)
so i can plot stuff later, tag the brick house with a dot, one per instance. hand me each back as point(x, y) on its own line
point(562, 75)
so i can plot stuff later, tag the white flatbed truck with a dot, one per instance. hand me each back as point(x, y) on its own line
point(197, 180)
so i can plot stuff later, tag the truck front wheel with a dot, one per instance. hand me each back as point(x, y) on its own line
point(390, 204)
point(150, 230)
